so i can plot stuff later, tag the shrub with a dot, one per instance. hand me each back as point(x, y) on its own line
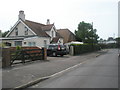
point(18, 48)
point(84, 48)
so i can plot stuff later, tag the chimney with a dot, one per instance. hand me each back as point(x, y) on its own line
point(21, 15)
point(48, 21)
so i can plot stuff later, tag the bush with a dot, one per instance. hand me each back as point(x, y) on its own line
point(111, 45)
point(18, 47)
point(84, 48)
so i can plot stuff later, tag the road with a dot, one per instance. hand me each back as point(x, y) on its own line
point(99, 72)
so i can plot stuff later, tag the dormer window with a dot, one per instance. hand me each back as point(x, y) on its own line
point(26, 31)
point(16, 31)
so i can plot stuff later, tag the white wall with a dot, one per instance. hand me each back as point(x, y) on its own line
point(61, 40)
point(38, 40)
point(53, 31)
point(21, 30)
point(10, 41)
point(50, 33)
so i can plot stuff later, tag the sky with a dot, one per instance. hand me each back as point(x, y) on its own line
point(64, 14)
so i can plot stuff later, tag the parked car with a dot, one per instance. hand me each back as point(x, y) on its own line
point(54, 50)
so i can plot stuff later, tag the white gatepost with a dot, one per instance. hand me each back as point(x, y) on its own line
point(72, 50)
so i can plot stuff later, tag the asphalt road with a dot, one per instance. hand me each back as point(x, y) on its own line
point(99, 72)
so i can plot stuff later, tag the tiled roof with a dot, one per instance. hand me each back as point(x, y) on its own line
point(58, 35)
point(47, 27)
point(37, 28)
point(67, 35)
point(55, 40)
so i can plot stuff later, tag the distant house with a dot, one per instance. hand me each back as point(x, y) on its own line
point(67, 35)
point(29, 33)
point(110, 40)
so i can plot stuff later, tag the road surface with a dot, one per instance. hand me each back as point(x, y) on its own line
point(99, 72)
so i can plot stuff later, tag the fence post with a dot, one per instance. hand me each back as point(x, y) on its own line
point(6, 57)
point(23, 58)
point(44, 51)
point(72, 50)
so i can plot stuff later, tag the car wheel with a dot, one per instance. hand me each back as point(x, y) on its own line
point(54, 54)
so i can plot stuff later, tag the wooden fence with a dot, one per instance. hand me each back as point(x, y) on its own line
point(25, 54)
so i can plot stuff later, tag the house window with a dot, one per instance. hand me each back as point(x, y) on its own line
point(18, 43)
point(31, 44)
point(7, 44)
point(26, 31)
point(52, 33)
point(16, 31)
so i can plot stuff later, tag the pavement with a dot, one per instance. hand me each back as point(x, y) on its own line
point(25, 75)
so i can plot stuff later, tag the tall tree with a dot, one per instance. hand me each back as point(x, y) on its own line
point(86, 33)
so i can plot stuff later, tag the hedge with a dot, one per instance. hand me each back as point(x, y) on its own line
point(84, 48)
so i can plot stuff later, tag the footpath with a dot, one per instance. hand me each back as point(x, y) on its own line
point(24, 75)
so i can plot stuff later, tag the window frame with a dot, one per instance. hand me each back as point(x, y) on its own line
point(16, 31)
point(26, 31)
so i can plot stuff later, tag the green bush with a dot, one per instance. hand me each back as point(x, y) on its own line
point(18, 47)
point(85, 48)
point(111, 45)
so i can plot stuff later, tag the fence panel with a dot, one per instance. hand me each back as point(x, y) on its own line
point(24, 55)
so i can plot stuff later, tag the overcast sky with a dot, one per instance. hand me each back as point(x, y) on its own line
point(64, 13)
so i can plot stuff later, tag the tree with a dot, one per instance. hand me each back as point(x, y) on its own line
point(86, 33)
point(5, 33)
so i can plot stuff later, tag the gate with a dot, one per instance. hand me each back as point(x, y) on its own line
point(26, 55)
point(12, 56)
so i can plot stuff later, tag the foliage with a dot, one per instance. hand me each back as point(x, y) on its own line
point(85, 48)
point(18, 47)
point(75, 44)
point(2, 45)
point(86, 33)
point(118, 42)
point(5, 33)
point(111, 45)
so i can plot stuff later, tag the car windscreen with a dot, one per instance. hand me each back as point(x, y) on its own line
point(51, 47)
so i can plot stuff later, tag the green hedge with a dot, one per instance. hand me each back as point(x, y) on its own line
point(111, 45)
point(84, 48)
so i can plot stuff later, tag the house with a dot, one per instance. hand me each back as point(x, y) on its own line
point(57, 39)
point(67, 35)
point(30, 33)
point(110, 40)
